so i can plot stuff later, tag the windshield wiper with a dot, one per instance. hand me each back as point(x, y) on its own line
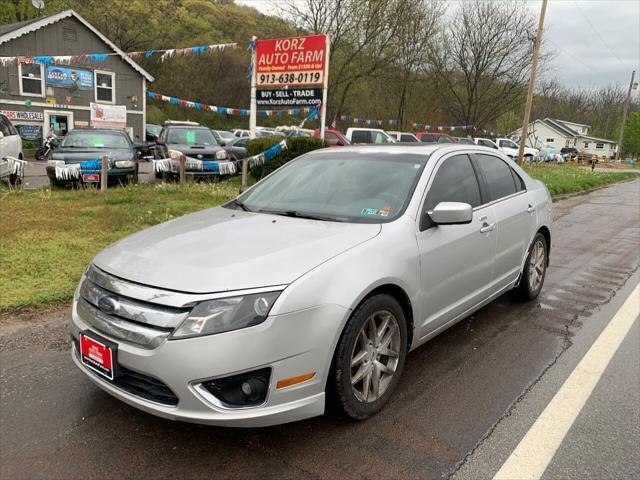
point(241, 205)
point(296, 214)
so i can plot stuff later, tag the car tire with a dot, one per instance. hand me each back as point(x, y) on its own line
point(371, 359)
point(535, 269)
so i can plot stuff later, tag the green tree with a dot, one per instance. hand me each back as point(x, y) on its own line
point(631, 141)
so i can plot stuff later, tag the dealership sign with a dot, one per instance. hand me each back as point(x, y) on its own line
point(300, 97)
point(17, 115)
point(114, 116)
point(69, 77)
point(291, 61)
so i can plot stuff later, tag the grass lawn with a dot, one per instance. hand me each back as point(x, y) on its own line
point(566, 178)
point(48, 237)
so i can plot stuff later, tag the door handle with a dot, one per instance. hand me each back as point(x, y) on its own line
point(487, 227)
point(531, 208)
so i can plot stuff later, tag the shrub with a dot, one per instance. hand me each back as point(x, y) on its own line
point(296, 146)
point(29, 144)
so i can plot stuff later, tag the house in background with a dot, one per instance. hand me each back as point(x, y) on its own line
point(556, 134)
point(40, 97)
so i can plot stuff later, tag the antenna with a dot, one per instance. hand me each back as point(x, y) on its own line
point(39, 4)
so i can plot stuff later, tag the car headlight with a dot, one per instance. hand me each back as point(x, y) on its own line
point(221, 154)
point(56, 163)
point(175, 154)
point(226, 314)
point(124, 164)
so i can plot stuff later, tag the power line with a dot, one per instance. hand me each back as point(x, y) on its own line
point(597, 33)
point(579, 60)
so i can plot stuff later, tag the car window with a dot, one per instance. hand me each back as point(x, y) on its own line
point(500, 181)
point(444, 139)
point(379, 137)
point(455, 181)
point(191, 136)
point(520, 185)
point(4, 126)
point(407, 138)
point(360, 136)
point(427, 138)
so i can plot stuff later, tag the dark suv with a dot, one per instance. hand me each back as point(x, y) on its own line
point(86, 146)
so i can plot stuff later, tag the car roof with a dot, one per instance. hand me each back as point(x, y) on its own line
point(398, 148)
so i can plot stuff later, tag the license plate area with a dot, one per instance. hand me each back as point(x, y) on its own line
point(98, 354)
point(91, 177)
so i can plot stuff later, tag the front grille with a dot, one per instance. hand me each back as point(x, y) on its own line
point(138, 384)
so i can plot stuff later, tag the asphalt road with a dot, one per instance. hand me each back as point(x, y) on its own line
point(465, 399)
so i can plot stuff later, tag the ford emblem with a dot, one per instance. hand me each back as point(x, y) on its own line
point(199, 155)
point(108, 304)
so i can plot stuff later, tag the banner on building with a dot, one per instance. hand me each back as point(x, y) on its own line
point(21, 115)
point(69, 78)
point(114, 116)
point(291, 61)
point(299, 97)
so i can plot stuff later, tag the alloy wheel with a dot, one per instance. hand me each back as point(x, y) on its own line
point(375, 356)
point(536, 266)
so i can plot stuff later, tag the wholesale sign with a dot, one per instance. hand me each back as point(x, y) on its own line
point(291, 61)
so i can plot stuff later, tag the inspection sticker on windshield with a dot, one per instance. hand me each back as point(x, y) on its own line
point(374, 211)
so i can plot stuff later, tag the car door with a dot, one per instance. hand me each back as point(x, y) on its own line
point(456, 261)
point(514, 215)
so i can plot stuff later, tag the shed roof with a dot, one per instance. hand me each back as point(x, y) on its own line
point(16, 30)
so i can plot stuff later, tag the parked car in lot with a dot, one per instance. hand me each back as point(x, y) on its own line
point(403, 137)
point(464, 141)
point(511, 149)
point(236, 148)
point(368, 135)
point(152, 131)
point(223, 136)
point(310, 285)
point(10, 146)
point(434, 137)
point(569, 153)
point(238, 132)
point(91, 144)
point(192, 140)
point(332, 137)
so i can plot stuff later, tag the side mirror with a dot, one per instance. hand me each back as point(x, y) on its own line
point(222, 143)
point(451, 213)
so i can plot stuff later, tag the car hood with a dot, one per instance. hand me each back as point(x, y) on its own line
point(220, 249)
point(76, 155)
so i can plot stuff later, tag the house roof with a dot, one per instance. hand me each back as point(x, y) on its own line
point(16, 30)
point(596, 139)
point(556, 125)
point(573, 123)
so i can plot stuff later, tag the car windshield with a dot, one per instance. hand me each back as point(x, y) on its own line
point(91, 139)
point(154, 129)
point(225, 134)
point(348, 187)
point(191, 136)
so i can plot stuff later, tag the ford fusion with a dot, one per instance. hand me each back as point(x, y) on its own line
point(310, 288)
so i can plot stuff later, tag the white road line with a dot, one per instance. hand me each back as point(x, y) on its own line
point(534, 452)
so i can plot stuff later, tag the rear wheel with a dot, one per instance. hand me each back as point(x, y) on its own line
point(535, 269)
point(369, 358)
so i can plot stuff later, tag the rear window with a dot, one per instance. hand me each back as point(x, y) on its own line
point(500, 180)
point(360, 136)
point(407, 138)
point(427, 138)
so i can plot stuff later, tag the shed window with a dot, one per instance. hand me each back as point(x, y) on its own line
point(599, 146)
point(31, 79)
point(550, 140)
point(105, 86)
point(586, 144)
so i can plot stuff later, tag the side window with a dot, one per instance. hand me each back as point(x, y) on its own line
point(428, 138)
point(497, 174)
point(520, 186)
point(360, 136)
point(407, 138)
point(4, 126)
point(455, 181)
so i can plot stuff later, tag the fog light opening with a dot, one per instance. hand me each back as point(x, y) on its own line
point(243, 390)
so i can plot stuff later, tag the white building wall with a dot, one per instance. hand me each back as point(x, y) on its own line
point(588, 145)
point(541, 135)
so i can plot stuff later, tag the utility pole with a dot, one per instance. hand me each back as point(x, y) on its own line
point(625, 111)
point(532, 81)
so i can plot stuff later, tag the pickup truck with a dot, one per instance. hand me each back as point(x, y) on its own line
point(510, 149)
point(368, 135)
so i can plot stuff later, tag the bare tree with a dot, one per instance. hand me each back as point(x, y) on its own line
point(364, 37)
point(481, 60)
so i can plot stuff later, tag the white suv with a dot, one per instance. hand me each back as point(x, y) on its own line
point(10, 146)
point(368, 135)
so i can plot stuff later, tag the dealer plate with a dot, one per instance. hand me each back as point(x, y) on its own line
point(97, 356)
point(91, 177)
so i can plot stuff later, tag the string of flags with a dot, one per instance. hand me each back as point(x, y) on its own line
point(243, 112)
point(165, 54)
point(268, 154)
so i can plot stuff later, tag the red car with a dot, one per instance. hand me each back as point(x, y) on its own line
point(333, 138)
point(433, 137)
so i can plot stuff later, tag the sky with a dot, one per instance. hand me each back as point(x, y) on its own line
point(596, 42)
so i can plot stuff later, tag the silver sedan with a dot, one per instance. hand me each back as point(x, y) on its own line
point(311, 287)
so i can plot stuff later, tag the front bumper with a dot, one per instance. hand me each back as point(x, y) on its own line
point(290, 344)
point(114, 174)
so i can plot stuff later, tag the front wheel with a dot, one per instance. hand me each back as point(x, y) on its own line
point(535, 269)
point(369, 358)
point(41, 153)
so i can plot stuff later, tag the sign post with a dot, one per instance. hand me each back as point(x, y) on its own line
point(325, 85)
point(253, 113)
